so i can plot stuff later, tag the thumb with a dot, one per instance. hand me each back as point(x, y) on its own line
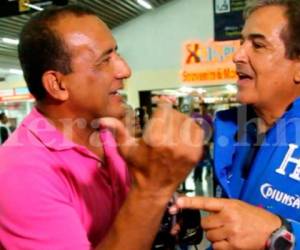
point(133, 150)
point(121, 134)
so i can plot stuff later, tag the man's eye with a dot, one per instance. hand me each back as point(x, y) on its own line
point(103, 62)
point(106, 60)
point(258, 45)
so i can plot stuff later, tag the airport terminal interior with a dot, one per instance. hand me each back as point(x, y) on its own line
point(179, 49)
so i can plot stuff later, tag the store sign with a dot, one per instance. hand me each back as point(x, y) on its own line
point(21, 91)
point(17, 7)
point(208, 62)
point(228, 19)
point(6, 92)
point(15, 94)
point(23, 5)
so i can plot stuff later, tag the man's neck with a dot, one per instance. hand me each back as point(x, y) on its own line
point(77, 129)
point(268, 116)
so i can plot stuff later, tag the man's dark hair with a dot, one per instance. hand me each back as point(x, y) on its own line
point(41, 48)
point(290, 35)
point(2, 116)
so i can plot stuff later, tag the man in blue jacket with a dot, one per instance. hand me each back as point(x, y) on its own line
point(257, 154)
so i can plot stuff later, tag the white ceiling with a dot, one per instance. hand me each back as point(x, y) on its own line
point(113, 12)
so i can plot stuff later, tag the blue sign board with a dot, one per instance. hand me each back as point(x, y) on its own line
point(228, 19)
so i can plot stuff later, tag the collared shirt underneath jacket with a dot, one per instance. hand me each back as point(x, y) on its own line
point(273, 180)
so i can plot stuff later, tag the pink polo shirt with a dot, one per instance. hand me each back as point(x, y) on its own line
point(55, 194)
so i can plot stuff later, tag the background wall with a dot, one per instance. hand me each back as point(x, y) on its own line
point(152, 43)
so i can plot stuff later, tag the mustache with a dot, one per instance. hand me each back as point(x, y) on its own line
point(241, 68)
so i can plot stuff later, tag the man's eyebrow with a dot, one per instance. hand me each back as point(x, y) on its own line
point(253, 36)
point(107, 52)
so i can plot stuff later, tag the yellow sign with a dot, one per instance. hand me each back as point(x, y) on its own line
point(208, 62)
point(22, 5)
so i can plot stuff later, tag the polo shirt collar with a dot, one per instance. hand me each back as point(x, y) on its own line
point(49, 135)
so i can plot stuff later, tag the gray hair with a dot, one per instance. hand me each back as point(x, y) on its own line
point(253, 5)
point(290, 35)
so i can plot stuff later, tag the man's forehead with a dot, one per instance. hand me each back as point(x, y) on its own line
point(71, 23)
point(85, 31)
point(266, 20)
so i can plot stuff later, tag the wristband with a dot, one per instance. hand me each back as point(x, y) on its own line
point(282, 238)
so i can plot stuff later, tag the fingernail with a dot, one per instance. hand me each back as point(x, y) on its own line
point(179, 201)
point(173, 210)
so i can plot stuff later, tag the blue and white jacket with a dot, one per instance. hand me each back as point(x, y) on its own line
point(273, 181)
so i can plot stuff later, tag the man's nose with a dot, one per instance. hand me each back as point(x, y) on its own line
point(122, 69)
point(240, 55)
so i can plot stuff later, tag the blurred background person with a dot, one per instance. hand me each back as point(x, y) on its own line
point(131, 121)
point(4, 128)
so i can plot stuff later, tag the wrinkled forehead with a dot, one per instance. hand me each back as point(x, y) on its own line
point(267, 20)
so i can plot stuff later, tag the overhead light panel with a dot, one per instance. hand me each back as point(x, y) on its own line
point(185, 89)
point(231, 88)
point(144, 4)
point(15, 71)
point(201, 90)
point(32, 6)
point(10, 41)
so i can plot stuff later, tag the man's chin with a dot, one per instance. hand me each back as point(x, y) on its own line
point(118, 114)
point(243, 99)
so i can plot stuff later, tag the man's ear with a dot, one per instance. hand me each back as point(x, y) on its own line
point(54, 85)
point(297, 73)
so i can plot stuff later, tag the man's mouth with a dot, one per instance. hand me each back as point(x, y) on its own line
point(116, 92)
point(244, 76)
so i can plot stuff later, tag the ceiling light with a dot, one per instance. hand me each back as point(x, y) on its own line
point(144, 4)
point(10, 41)
point(186, 89)
point(201, 90)
point(231, 88)
point(32, 6)
point(15, 71)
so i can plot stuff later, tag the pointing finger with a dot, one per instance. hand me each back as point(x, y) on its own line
point(203, 203)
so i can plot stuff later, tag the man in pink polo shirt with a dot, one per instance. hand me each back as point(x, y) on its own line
point(63, 183)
